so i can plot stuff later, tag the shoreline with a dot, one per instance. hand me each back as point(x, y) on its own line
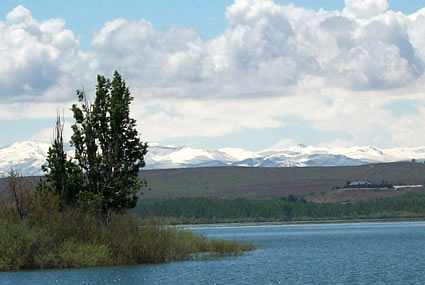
point(300, 222)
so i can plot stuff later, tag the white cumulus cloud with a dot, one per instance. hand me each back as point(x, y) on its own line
point(333, 70)
point(40, 61)
point(269, 49)
point(365, 8)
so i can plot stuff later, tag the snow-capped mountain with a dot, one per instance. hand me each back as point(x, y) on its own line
point(28, 156)
point(25, 157)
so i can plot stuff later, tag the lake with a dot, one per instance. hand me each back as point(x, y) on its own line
point(380, 253)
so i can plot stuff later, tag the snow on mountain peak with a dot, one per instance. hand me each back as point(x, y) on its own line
point(25, 157)
point(28, 156)
point(238, 153)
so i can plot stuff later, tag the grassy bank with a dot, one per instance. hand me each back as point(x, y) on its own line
point(76, 239)
point(38, 230)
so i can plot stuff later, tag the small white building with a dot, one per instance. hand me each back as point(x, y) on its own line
point(359, 184)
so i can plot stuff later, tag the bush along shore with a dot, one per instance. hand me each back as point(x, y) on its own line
point(49, 238)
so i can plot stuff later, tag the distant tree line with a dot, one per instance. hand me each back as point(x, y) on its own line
point(284, 209)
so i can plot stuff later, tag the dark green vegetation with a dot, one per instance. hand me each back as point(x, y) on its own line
point(213, 210)
point(107, 147)
point(312, 183)
point(63, 175)
point(77, 216)
point(108, 153)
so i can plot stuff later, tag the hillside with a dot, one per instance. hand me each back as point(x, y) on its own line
point(314, 183)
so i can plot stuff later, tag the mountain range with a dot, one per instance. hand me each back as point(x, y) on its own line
point(27, 157)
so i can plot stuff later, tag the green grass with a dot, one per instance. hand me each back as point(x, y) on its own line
point(76, 239)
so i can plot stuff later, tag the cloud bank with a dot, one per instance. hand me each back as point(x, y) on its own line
point(269, 48)
point(335, 70)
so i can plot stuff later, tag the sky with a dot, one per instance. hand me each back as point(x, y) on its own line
point(253, 74)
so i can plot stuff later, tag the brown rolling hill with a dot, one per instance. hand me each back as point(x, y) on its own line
point(313, 183)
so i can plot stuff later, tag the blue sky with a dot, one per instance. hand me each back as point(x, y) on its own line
point(249, 74)
point(207, 17)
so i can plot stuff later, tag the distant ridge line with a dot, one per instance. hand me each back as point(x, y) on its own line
point(28, 156)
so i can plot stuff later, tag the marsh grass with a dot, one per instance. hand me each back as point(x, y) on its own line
point(73, 238)
point(38, 231)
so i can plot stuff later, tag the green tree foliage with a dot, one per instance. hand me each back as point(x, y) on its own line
point(107, 147)
point(204, 210)
point(63, 176)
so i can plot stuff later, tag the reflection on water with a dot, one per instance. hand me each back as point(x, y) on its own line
point(318, 254)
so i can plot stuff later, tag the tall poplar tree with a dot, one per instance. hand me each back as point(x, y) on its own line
point(107, 147)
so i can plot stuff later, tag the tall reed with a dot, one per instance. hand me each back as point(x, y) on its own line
point(74, 238)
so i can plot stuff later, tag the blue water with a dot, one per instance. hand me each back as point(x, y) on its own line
point(387, 253)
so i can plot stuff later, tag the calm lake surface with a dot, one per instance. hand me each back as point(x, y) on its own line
point(381, 253)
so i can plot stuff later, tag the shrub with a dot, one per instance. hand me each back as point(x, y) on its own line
point(21, 245)
point(16, 197)
point(73, 238)
point(75, 254)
